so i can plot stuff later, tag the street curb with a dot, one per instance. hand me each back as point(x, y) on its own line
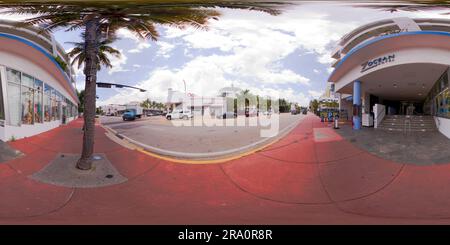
point(213, 156)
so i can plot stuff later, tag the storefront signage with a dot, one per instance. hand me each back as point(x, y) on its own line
point(376, 62)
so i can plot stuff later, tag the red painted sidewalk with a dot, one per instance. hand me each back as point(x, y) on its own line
point(311, 176)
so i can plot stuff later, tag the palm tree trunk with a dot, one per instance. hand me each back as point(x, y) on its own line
point(92, 37)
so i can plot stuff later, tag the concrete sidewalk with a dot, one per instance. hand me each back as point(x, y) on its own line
point(311, 176)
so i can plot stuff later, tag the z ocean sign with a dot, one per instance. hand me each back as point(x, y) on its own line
point(376, 62)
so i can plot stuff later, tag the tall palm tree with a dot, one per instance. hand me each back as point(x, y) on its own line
point(78, 54)
point(100, 20)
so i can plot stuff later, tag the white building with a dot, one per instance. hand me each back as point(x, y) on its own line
point(229, 92)
point(113, 109)
point(329, 95)
point(401, 64)
point(203, 105)
point(37, 90)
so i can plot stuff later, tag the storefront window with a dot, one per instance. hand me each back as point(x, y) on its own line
point(2, 108)
point(47, 103)
point(27, 80)
point(27, 99)
point(32, 101)
point(13, 76)
point(38, 101)
point(443, 101)
point(27, 105)
point(14, 104)
point(440, 97)
point(68, 108)
point(59, 105)
point(53, 104)
point(13, 89)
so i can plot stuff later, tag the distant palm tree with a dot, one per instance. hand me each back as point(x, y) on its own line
point(100, 20)
point(78, 54)
point(146, 104)
point(411, 5)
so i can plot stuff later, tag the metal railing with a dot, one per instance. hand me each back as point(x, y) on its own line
point(379, 117)
point(407, 121)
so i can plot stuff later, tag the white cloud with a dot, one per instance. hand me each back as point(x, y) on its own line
point(211, 39)
point(282, 77)
point(315, 94)
point(156, 85)
point(140, 43)
point(254, 47)
point(164, 49)
point(124, 33)
point(253, 51)
point(254, 43)
point(330, 70)
point(117, 63)
point(140, 46)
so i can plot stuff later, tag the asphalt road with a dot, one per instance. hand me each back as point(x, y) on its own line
point(195, 136)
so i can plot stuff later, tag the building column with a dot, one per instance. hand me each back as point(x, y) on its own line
point(357, 105)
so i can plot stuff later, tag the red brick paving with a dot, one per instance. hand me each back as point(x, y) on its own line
point(298, 180)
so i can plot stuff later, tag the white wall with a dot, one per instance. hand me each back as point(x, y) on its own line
point(443, 125)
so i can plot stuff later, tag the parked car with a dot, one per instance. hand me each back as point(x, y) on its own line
point(228, 114)
point(179, 114)
point(304, 111)
point(150, 113)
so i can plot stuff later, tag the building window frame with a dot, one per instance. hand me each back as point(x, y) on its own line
point(30, 89)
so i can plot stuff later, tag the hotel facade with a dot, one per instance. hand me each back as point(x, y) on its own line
point(395, 72)
point(37, 88)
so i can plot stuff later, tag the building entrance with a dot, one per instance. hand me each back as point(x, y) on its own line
point(395, 107)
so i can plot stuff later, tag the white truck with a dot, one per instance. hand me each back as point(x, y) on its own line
point(179, 114)
point(132, 112)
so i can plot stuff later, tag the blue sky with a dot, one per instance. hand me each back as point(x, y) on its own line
point(286, 55)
